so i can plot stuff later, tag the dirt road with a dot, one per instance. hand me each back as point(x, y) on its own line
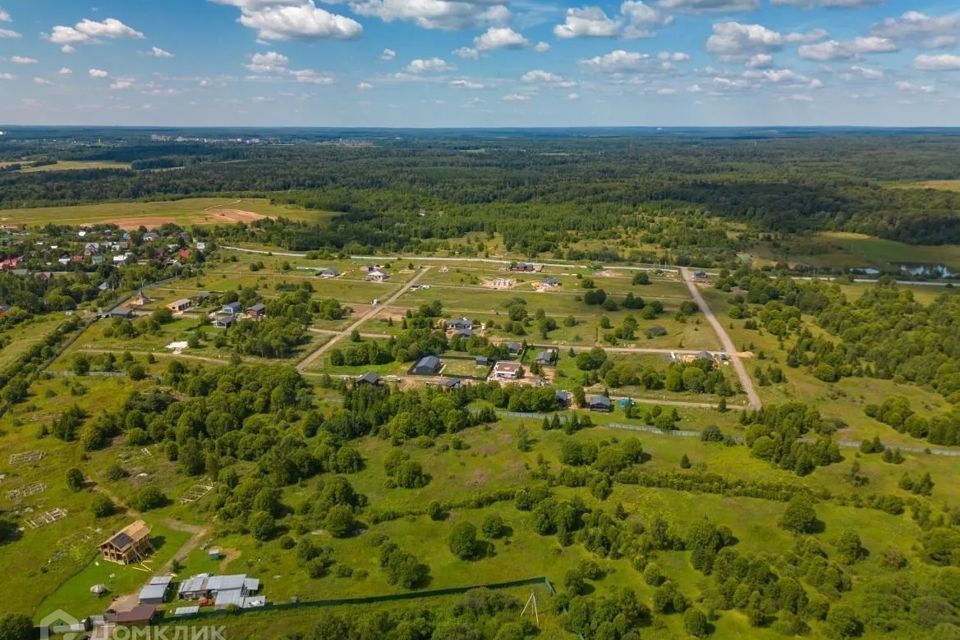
point(725, 340)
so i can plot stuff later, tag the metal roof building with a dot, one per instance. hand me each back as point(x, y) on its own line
point(156, 590)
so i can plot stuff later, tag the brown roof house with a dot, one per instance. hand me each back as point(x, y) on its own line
point(130, 544)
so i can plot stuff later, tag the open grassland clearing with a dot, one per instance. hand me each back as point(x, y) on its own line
point(843, 250)
point(187, 212)
point(17, 341)
point(68, 165)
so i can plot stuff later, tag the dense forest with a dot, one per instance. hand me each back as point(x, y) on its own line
point(531, 189)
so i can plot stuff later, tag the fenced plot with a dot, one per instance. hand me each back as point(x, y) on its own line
point(45, 518)
point(26, 457)
point(26, 491)
point(195, 492)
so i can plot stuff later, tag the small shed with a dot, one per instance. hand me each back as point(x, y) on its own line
point(600, 403)
point(156, 590)
point(370, 378)
point(257, 311)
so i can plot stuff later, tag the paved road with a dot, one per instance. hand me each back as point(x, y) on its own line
point(725, 340)
point(313, 357)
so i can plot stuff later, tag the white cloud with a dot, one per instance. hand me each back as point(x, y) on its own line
point(388, 55)
point(364, 86)
point(697, 6)
point(434, 65)
point(809, 36)
point(120, 85)
point(90, 31)
point(5, 17)
point(467, 84)
point(157, 52)
point(828, 4)
point(65, 71)
point(499, 38)
point(435, 14)
point(942, 62)
point(834, 50)
point(541, 47)
point(620, 62)
point(309, 76)
point(516, 97)
point(7, 76)
point(636, 20)
point(42, 81)
point(760, 61)
point(302, 22)
point(539, 76)
point(270, 62)
point(9, 34)
point(734, 40)
point(867, 73)
point(22, 60)
point(921, 30)
point(98, 73)
point(467, 53)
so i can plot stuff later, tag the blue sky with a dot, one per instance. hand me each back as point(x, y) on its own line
point(442, 63)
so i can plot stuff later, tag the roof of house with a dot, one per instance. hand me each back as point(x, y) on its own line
point(602, 401)
point(257, 308)
point(180, 303)
point(369, 378)
point(514, 347)
point(132, 533)
point(157, 588)
point(140, 613)
point(235, 306)
point(548, 355)
point(428, 362)
point(193, 584)
point(451, 383)
point(506, 367)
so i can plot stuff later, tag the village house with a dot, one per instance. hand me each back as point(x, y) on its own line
point(369, 378)
point(427, 366)
point(459, 326)
point(181, 305)
point(231, 309)
point(547, 357)
point(233, 590)
point(377, 275)
point(526, 267)
point(329, 272)
point(130, 544)
point(600, 403)
point(155, 592)
point(514, 348)
point(258, 310)
point(507, 371)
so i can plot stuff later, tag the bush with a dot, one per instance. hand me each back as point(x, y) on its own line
point(463, 541)
point(75, 480)
point(493, 526)
point(102, 506)
point(148, 498)
point(340, 521)
point(695, 623)
point(799, 516)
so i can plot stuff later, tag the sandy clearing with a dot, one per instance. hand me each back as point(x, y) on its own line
point(129, 224)
point(235, 215)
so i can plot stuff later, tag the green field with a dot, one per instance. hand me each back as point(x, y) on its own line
point(186, 212)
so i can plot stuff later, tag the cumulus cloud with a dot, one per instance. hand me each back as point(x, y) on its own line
point(517, 97)
point(7, 76)
point(435, 14)
point(42, 81)
point(828, 4)
point(5, 17)
point(9, 34)
point(636, 20)
point(734, 40)
point(920, 29)
point(541, 47)
point(120, 85)
point(22, 60)
point(98, 73)
point(90, 31)
point(65, 71)
point(539, 76)
point(364, 86)
point(467, 84)
point(270, 62)
point(388, 55)
point(697, 6)
point(273, 65)
point(499, 38)
point(157, 52)
point(834, 50)
point(942, 62)
point(430, 65)
point(620, 62)
point(305, 21)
